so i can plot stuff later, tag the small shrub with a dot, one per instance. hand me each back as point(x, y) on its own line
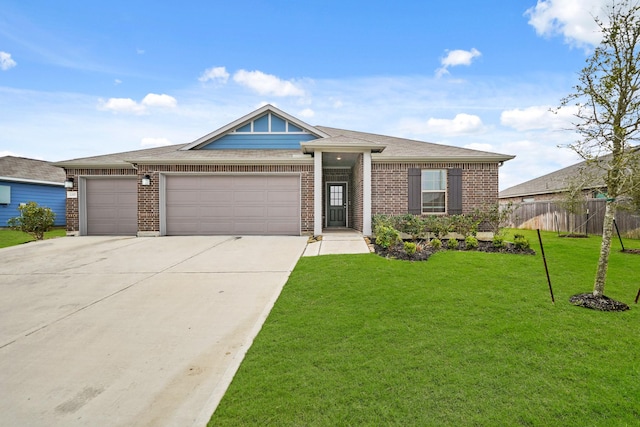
point(520, 242)
point(467, 225)
point(452, 244)
point(440, 226)
point(381, 220)
point(498, 241)
point(387, 236)
point(436, 243)
point(470, 242)
point(410, 248)
point(34, 220)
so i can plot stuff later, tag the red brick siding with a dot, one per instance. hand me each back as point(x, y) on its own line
point(357, 185)
point(389, 185)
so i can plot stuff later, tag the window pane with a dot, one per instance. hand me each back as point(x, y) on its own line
point(245, 128)
point(433, 202)
point(434, 180)
point(335, 195)
point(277, 124)
point(261, 124)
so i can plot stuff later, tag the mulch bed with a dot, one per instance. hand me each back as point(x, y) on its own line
point(425, 251)
point(602, 303)
point(632, 251)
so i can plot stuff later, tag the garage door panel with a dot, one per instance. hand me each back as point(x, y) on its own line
point(111, 206)
point(216, 196)
point(232, 204)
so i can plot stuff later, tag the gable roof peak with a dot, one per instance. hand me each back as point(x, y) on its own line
point(267, 108)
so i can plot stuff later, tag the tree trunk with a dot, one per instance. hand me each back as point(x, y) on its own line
point(605, 249)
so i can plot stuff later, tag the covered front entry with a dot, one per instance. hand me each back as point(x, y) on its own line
point(231, 204)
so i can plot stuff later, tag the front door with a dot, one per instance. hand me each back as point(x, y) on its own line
point(337, 205)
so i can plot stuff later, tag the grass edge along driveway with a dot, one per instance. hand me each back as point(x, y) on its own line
point(462, 339)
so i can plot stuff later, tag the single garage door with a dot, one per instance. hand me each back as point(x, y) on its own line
point(232, 204)
point(112, 206)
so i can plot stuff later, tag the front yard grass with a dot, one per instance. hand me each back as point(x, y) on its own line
point(10, 237)
point(461, 339)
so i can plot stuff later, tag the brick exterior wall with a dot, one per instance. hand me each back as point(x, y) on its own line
point(149, 196)
point(389, 185)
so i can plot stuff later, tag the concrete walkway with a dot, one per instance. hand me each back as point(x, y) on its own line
point(338, 242)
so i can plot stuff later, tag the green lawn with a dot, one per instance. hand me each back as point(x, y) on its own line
point(10, 237)
point(462, 339)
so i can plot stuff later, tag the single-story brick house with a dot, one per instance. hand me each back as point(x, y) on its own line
point(28, 180)
point(270, 173)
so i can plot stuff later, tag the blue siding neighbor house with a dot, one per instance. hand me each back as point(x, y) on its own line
point(28, 180)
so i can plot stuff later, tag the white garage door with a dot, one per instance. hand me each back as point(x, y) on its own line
point(112, 206)
point(232, 204)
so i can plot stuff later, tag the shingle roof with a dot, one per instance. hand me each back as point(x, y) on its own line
point(402, 148)
point(554, 182)
point(393, 149)
point(21, 168)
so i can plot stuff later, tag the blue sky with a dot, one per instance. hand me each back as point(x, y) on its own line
point(82, 78)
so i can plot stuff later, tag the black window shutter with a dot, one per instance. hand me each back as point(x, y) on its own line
point(415, 191)
point(454, 177)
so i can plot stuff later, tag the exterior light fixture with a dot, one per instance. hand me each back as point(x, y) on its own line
point(146, 180)
point(338, 158)
point(68, 183)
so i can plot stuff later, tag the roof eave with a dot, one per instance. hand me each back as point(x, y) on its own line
point(456, 159)
point(30, 181)
point(312, 146)
point(229, 161)
point(89, 165)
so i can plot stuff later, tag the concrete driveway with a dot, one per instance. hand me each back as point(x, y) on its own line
point(125, 331)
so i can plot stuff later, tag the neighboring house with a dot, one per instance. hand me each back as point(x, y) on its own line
point(552, 186)
point(270, 173)
point(28, 180)
point(542, 202)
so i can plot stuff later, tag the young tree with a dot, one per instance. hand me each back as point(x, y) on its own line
point(33, 219)
point(608, 113)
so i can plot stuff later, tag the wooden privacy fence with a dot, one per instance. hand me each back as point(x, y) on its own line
point(551, 216)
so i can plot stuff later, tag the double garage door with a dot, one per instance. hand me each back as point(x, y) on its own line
point(232, 204)
point(200, 205)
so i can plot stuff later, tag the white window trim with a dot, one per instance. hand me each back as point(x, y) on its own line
point(422, 191)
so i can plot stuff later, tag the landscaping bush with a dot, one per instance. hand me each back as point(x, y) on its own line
point(410, 248)
point(520, 242)
point(34, 220)
point(467, 225)
point(452, 244)
point(471, 243)
point(498, 241)
point(436, 243)
point(387, 236)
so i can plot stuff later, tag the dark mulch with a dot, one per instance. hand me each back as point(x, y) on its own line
point(575, 235)
point(602, 303)
point(425, 251)
point(632, 251)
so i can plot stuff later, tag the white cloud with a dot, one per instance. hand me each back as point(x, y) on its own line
point(538, 117)
point(573, 19)
point(6, 61)
point(140, 51)
point(128, 105)
point(307, 113)
point(267, 84)
point(148, 142)
point(155, 100)
point(117, 82)
point(121, 105)
point(455, 58)
point(216, 74)
point(461, 124)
